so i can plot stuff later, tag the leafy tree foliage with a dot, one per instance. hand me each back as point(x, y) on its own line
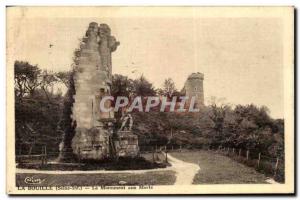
point(26, 78)
point(142, 87)
point(168, 88)
point(44, 117)
point(122, 86)
point(37, 108)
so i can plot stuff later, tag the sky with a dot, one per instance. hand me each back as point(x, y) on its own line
point(241, 57)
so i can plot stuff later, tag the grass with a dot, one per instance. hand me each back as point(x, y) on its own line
point(149, 178)
point(218, 169)
point(139, 163)
point(266, 166)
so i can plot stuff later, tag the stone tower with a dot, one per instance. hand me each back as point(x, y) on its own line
point(194, 87)
point(93, 79)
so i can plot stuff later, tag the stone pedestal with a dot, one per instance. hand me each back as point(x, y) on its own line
point(126, 145)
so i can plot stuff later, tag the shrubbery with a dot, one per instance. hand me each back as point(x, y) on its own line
point(43, 116)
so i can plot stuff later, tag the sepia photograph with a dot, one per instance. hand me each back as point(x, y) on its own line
point(150, 100)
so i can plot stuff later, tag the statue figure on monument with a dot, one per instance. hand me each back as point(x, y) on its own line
point(127, 122)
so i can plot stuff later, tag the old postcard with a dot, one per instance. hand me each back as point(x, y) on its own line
point(150, 100)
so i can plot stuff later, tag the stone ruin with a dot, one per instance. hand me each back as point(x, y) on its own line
point(193, 87)
point(95, 136)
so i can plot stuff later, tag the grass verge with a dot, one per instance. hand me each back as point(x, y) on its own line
point(219, 169)
point(149, 178)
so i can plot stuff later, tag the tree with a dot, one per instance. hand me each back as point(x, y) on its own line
point(26, 78)
point(168, 89)
point(217, 115)
point(29, 79)
point(64, 77)
point(66, 124)
point(47, 79)
point(121, 86)
point(142, 87)
point(37, 107)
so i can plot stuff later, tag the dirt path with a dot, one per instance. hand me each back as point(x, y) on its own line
point(185, 172)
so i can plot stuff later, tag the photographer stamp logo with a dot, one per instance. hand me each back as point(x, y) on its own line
point(33, 181)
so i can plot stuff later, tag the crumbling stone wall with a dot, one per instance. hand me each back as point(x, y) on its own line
point(92, 79)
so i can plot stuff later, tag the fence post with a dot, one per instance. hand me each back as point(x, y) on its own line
point(166, 157)
point(276, 166)
point(240, 151)
point(45, 154)
point(258, 161)
point(153, 154)
point(172, 148)
point(247, 154)
point(42, 156)
point(79, 156)
point(233, 150)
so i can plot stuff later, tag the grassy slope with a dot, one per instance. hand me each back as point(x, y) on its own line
point(149, 178)
point(218, 169)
